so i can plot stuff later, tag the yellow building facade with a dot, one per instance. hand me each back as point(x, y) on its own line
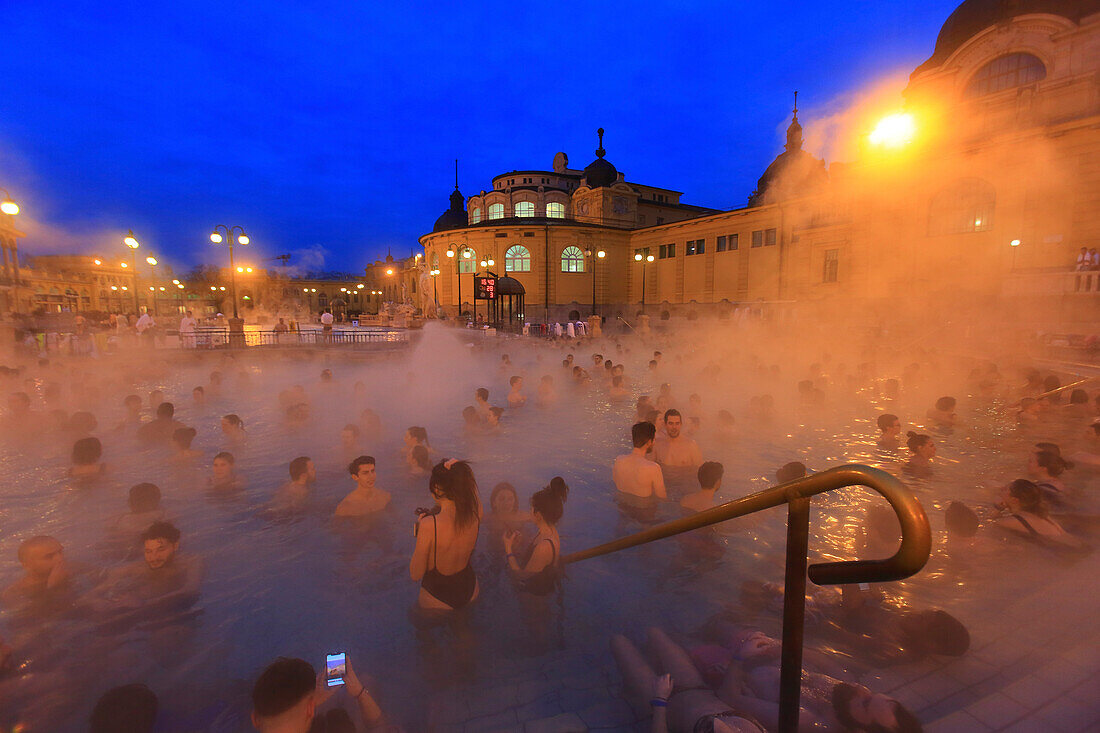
point(1000, 179)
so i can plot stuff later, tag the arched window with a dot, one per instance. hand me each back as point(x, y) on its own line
point(966, 205)
point(555, 210)
point(1005, 72)
point(517, 259)
point(525, 208)
point(467, 265)
point(496, 211)
point(572, 259)
point(475, 215)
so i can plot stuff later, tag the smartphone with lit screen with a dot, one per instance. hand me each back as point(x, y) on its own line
point(335, 668)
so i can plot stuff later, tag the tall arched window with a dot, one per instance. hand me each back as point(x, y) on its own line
point(967, 205)
point(467, 265)
point(475, 215)
point(517, 259)
point(1005, 72)
point(496, 211)
point(525, 208)
point(572, 259)
point(555, 210)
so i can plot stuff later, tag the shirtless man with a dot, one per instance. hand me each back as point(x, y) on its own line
point(223, 477)
point(635, 474)
point(163, 576)
point(293, 495)
point(366, 498)
point(46, 573)
point(516, 397)
point(481, 402)
point(710, 480)
point(677, 450)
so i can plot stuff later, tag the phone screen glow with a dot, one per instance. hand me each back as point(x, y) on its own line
point(334, 669)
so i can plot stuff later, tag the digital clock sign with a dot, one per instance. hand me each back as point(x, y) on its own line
point(485, 288)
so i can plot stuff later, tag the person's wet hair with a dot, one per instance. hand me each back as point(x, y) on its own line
point(82, 422)
point(421, 458)
point(234, 420)
point(183, 437)
point(127, 709)
point(642, 432)
point(144, 497)
point(469, 414)
point(961, 520)
point(299, 467)
point(550, 501)
point(419, 434)
point(946, 404)
point(1078, 397)
point(886, 421)
point(351, 428)
point(87, 451)
point(161, 531)
point(280, 687)
point(917, 440)
point(353, 467)
point(790, 472)
point(482, 394)
point(710, 473)
point(844, 693)
point(1051, 461)
point(165, 410)
point(514, 381)
point(934, 631)
point(226, 456)
point(672, 413)
point(1030, 497)
point(458, 484)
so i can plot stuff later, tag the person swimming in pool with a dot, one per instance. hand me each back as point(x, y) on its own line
point(1027, 515)
point(223, 477)
point(445, 540)
point(923, 450)
point(676, 450)
point(366, 498)
point(516, 398)
point(890, 427)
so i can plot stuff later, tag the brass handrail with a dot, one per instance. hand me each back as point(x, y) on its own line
point(916, 545)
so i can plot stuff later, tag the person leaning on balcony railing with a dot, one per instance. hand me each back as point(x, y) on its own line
point(1084, 260)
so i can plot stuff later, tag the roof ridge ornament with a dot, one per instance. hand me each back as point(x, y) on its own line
point(795, 110)
point(600, 152)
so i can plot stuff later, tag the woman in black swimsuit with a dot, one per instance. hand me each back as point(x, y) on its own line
point(445, 540)
point(539, 573)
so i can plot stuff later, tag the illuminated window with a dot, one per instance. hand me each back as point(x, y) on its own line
point(435, 260)
point(475, 215)
point(1006, 72)
point(467, 265)
point(496, 211)
point(525, 208)
point(832, 265)
point(517, 259)
point(554, 210)
point(967, 205)
point(572, 260)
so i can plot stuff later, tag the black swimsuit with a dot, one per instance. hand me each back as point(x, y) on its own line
point(546, 580)
point(454, 590)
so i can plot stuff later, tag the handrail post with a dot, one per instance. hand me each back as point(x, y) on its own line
point(794, 613)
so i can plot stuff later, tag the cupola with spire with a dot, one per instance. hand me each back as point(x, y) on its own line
point(454, 217)
point(794, 173)
point(600, 173)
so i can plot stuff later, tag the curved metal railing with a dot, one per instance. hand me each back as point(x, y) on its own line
point(916, 545)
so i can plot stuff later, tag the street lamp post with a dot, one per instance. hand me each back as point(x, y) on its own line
point(131, 242)
point(639, 258)
point(9, 207)
point(152, 261)
point(465, 253)
point(228, 234)
point(599, 255)
point(435, 290)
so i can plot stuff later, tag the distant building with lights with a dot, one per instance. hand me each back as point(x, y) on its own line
point(993, 196)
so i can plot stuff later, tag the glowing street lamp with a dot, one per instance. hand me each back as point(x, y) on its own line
point(639, 258)
point(599, 255)
point(230, 235)
point(1014, 244)
point(131, 241)
point(8, 206)
point(894, 131)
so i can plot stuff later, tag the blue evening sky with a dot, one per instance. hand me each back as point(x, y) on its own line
point(329, 129)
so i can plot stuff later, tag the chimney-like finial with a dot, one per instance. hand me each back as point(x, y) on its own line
point(600, 152)
point(456, 174)
point(795, 110)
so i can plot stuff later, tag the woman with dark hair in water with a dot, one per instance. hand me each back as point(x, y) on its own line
point(445, 539)
point(1028, 515)
point(85, 459)
point(233, 427)
point(1045, 466)
point(538, 574)
point(924, 450)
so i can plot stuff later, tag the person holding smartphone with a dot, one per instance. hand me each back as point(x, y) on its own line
point(288, 693)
